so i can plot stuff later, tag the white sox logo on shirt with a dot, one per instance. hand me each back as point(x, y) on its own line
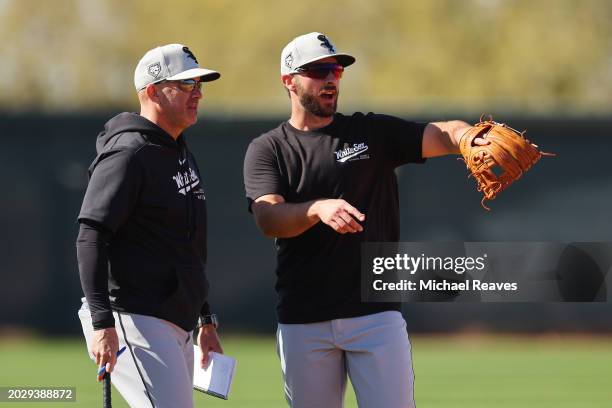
point(350, 153)
point(186, 181)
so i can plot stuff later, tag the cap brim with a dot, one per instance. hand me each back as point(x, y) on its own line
point(343, 59)
point(206, 75)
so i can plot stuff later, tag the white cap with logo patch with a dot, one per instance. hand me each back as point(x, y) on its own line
point(309, 48)
point(170, 62)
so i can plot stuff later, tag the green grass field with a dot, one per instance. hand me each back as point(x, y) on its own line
point(451, 372)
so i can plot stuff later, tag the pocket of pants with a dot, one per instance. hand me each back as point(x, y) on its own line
point(86, 326)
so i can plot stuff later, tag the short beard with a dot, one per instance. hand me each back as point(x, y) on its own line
point(312, 105)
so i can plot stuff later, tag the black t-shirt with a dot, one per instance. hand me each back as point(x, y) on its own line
point(353, 158)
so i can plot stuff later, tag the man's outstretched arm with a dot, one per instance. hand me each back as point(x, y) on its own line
point(442, 138)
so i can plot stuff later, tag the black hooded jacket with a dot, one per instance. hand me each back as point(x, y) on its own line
point(142, 239)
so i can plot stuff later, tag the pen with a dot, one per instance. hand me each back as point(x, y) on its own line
point(102, 370)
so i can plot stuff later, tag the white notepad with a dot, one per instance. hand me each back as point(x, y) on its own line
point(217, 378)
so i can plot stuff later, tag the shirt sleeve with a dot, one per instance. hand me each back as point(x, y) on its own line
point(113, 190)
point(92, 257)
point(402, 140)
point(261, 171)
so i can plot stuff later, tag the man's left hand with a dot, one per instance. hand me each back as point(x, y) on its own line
point(208, 341)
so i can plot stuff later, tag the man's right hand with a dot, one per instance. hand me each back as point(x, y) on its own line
point(104, 347)
point(339, 215)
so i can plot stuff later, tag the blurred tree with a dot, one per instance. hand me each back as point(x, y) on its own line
point(529, 56)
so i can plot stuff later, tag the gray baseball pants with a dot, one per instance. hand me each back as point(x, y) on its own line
point(374, 350)
point(156, 369)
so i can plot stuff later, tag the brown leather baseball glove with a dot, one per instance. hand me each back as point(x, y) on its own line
point(501, 162)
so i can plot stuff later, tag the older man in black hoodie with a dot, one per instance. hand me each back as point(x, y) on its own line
point(142, 238)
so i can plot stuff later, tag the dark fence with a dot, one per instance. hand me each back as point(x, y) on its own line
point(43, 162)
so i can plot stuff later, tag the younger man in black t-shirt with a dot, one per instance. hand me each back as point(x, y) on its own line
point(322, 183)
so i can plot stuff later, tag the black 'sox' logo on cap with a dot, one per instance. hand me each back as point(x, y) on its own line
point(325, 43)
point(190, 54)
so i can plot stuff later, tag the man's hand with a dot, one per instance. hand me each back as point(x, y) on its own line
point(279, 219)
point(208, 340)
point(339, 215)
point(104, 347)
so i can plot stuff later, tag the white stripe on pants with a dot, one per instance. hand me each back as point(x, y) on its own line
point(374, 351)
point(159, 354)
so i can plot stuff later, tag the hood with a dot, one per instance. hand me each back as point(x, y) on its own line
point(132, 123)
point(130, 130)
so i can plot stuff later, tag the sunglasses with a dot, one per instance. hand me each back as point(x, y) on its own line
point(187, 85)
point(321, 71)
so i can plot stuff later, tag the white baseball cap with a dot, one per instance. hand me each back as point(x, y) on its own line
point(170, 62)
point(309, 48)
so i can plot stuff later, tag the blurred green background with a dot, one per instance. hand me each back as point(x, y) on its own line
point(66, 66)
point(465, 371)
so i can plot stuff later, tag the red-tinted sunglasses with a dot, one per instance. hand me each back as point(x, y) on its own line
point(321, 71)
